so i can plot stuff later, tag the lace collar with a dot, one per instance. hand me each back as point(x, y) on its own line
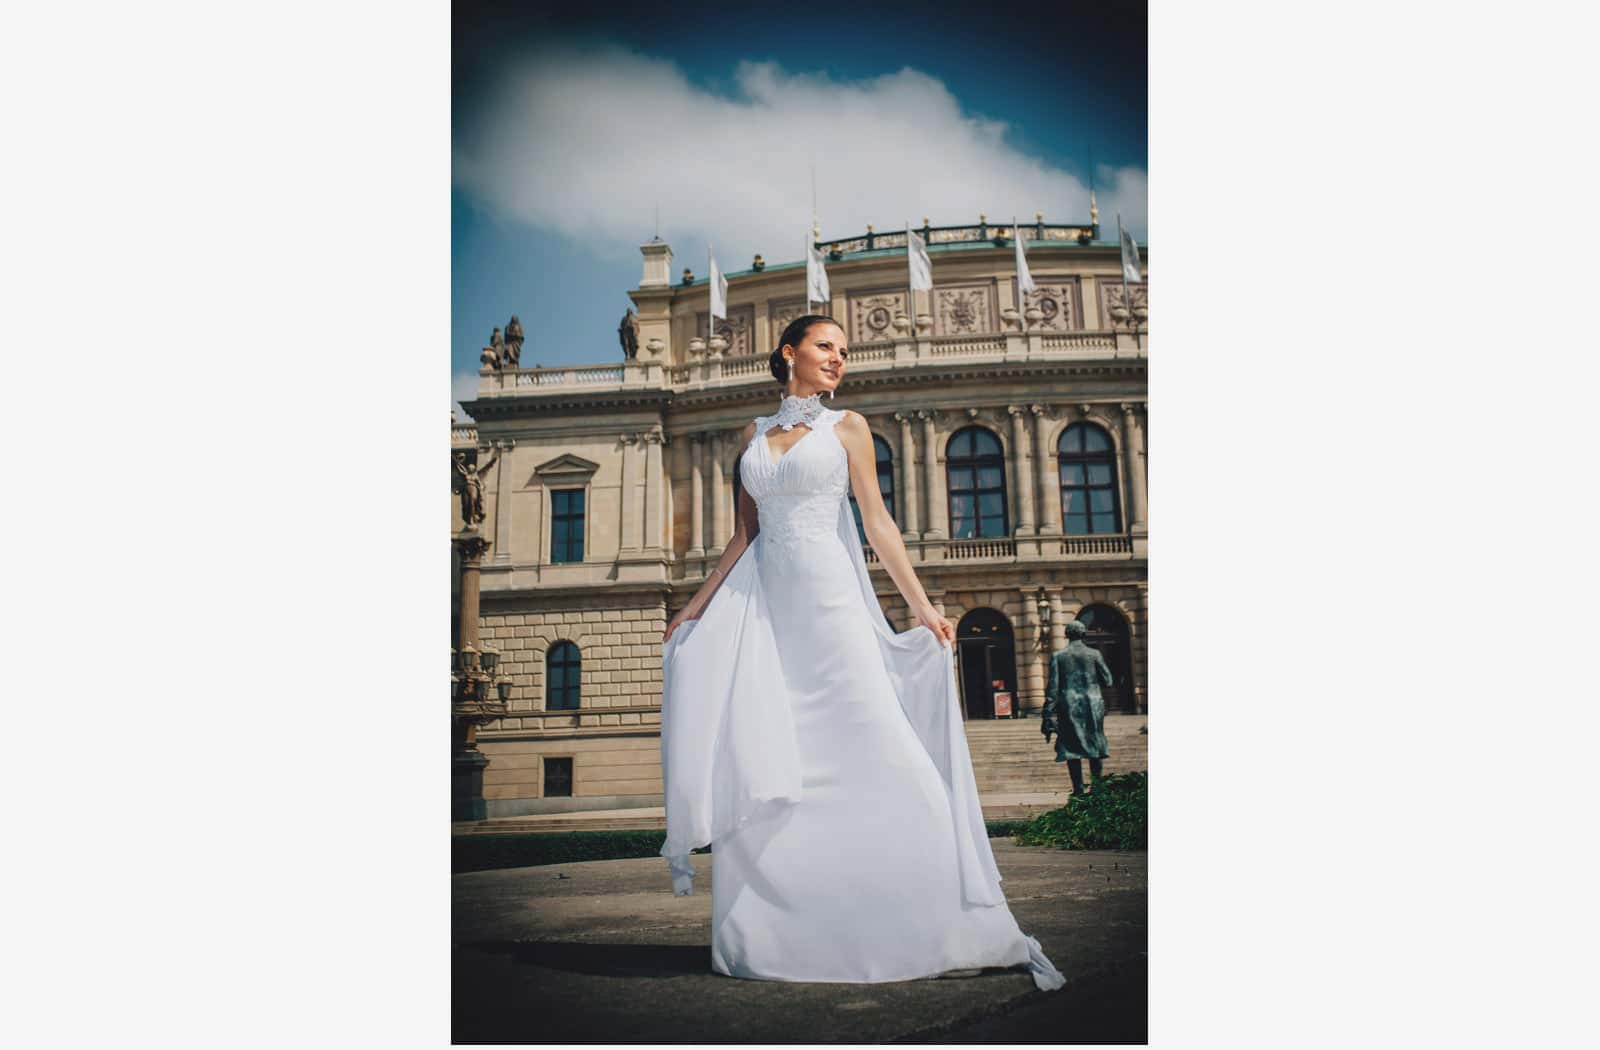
point(797, 410)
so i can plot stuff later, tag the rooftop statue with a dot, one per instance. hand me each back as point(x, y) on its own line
point(513, 354)
point(494, 355)
point(628, 333)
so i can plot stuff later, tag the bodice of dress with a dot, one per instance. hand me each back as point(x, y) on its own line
point(798, 496)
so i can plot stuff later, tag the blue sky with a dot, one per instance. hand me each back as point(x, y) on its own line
point(569, 133)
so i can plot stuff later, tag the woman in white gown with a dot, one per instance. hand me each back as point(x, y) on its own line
point(822, 752)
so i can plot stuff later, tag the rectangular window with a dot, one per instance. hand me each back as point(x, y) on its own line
point(558, 778)
point(566, 525)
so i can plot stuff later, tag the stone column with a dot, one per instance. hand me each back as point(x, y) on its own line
point(909, 517)
point(1020, 472)
point(502, 502)
point(1133, 453)
point(652, 488)
point(1058, 622)
point(466, 761)
point(765, 337)
point(629, 532)
point(938, 509)
point(1034, 655)
point(697, 495)
point(1049, 479)
point(719, 496)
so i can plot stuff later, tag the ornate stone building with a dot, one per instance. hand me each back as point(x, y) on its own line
point(1011, 440)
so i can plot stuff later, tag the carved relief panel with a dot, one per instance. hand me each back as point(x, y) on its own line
point(964, 309)
point(1111, 295)
point(1058, 298)
point(779, 314)
point(738, 328)
point(872, 315)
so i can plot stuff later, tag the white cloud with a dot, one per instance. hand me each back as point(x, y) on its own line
point(585, 140)
point(463, 387)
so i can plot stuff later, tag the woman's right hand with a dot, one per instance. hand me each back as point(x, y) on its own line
point(683, 616)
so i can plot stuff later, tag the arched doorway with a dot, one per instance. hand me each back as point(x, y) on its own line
point(985, 653)
point(1108, 632)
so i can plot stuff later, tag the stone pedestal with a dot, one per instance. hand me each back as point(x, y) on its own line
point(466, 785)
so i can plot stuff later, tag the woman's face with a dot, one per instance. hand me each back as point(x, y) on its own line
point(820, 359)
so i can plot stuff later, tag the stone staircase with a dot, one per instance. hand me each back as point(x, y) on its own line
point(1018, 774)
point(1016, 771)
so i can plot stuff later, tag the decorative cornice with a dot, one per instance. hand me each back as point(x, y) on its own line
point(506, 413)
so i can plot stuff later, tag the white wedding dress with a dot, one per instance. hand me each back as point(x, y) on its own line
point(824, 755)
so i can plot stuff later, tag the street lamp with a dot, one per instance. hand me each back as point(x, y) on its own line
point(479, 692)
point(1044, 611)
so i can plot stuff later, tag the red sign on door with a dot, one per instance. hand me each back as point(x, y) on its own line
point(1002, 705)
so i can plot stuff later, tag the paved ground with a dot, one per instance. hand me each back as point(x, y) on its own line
point(608, 954)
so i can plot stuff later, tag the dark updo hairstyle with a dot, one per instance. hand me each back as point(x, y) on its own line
point(793, 333)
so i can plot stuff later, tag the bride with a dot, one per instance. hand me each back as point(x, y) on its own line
point(820, 750)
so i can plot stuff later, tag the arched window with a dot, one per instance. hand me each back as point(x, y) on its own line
point(1108, 632)
point(976, 469)
point(561, 677)
point(885, 460)
point(1088, 481)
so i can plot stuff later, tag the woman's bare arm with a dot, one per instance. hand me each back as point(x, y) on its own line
point(884, 535)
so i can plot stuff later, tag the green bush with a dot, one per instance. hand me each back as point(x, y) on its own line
point(485, 852)
point(1111, 816)
point(1004, 829)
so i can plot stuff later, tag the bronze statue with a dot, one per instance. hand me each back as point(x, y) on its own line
point(470, 487)
point(628, 333)
point(514, 342)
point(1073, 708)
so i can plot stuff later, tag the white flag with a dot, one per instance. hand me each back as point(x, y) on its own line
point(719, 291)
point(917, 257)
point(816, 275)
point(1130, 255)
point(1024, 278)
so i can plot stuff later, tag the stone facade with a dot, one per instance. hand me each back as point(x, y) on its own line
point(649, 446)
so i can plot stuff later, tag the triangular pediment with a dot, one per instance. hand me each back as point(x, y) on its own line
point(567, 463)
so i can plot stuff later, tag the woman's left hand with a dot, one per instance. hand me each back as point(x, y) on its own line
point(939, 625)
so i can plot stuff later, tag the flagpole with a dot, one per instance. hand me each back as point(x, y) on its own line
point(911, 303)
point(1016, 236)
point(807, 258)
